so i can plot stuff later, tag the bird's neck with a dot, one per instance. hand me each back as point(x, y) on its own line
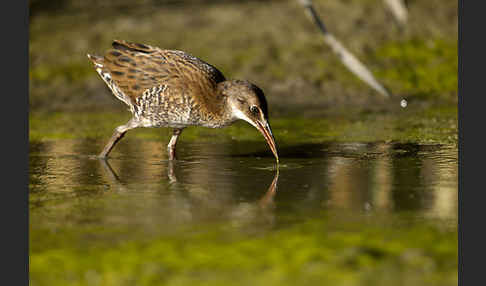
point(227, 116)
point(217, 112)
point(222, 111)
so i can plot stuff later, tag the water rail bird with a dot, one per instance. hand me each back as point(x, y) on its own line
point(171, 88)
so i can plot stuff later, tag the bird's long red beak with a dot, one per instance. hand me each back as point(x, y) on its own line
point(266, 131)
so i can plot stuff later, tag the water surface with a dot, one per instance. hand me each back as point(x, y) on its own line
point(327, 212)
point(232, 183)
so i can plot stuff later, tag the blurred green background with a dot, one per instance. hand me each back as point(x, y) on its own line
point(272, 43)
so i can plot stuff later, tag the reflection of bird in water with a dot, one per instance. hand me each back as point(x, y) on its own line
point(267, 200)
point(167, 88)
point(241, 214)
point(113, 178)
point(261, 214)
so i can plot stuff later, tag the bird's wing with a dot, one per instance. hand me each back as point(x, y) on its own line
point(135, 68)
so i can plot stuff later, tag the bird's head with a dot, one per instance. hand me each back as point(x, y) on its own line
point(247, 102)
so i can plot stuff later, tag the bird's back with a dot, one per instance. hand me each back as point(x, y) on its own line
point(168, 82)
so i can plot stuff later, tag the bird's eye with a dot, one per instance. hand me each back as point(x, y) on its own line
point(254, 109)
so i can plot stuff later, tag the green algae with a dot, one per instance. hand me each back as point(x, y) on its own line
point(419, 67)
point(437, 124)
point(326, 250)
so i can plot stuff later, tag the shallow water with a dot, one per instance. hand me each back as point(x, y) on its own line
point(236, 185)
point(366, 213)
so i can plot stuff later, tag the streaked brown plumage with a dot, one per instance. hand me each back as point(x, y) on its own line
point(169, 88)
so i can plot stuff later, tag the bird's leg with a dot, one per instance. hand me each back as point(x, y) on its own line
point(172, 143)
point(117, 135)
